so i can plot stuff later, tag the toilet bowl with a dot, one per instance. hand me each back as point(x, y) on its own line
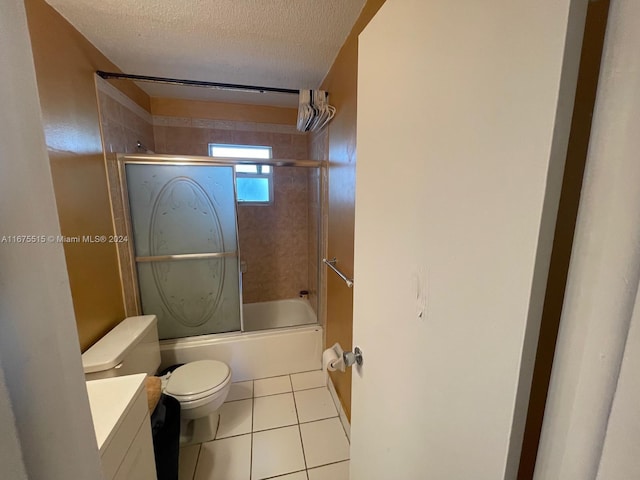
point(201, 386)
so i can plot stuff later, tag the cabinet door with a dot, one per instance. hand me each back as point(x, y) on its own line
point(139, 462)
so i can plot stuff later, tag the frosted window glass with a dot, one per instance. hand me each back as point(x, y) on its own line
point(254, 182)
point(253, 189)
point(247, 168)
point(239, 151)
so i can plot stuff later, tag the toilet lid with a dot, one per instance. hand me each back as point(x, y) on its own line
point(198, 379)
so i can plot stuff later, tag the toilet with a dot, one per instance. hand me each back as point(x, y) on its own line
point(201, 387)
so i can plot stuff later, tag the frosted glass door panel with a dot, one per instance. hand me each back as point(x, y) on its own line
point(182, 209)
point(191, 297)
point(178, 211)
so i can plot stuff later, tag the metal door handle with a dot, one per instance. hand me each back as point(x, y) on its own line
point(350, 358)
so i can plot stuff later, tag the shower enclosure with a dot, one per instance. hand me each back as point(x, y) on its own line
point(186, 246)
point(183, 223)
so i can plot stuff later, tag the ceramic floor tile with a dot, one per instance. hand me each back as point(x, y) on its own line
point(315, 404)
point(306, 380)
point(294, 476)
point(274, 411)
point(240, 391)
point(235, 418)
point(324, 442)
point(276, 452)
point(271, 386)
point(335, 471)
point(188, 459)
point(228, 459)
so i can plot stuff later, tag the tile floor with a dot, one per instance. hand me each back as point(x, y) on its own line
point(282, 427)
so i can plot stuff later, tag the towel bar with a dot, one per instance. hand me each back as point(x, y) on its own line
point(332, 265)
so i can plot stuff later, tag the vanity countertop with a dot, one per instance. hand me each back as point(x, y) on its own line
point(110, 400)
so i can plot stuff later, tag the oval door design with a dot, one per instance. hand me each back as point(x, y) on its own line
point(183, 216)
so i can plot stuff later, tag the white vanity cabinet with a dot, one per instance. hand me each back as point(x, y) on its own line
point(123, 429)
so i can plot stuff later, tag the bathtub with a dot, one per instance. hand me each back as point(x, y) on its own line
point(257, 354)
point(277, 314)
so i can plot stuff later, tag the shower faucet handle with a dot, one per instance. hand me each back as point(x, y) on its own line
point(350, 358)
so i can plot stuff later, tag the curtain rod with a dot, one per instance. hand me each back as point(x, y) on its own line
point(196, 83)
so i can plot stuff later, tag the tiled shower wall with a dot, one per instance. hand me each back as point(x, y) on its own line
point(278, 242)
point(273, 240)
point(124, 123)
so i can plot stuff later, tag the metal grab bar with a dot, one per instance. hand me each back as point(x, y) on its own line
point(185, 256)
point(332, 265)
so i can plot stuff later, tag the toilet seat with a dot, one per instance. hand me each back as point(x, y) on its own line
point(197, 380)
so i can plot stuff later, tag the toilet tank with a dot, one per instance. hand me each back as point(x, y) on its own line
point(131, 347)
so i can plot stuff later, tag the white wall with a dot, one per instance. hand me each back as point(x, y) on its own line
point(39, 350)
point(10, 450)
point(621, 450)
point(588, 408)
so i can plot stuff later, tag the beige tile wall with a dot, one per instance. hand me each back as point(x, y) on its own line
point(123, 122)
point(275, 240)
point(191, 136)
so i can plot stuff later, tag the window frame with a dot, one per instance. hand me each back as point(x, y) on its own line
point(259, 169)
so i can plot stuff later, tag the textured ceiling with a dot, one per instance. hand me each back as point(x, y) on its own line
point(275, 43)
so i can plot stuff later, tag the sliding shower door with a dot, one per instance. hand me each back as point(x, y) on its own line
point(186, 246)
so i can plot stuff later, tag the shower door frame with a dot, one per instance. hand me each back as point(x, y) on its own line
point(153, 159)
point(128, 265)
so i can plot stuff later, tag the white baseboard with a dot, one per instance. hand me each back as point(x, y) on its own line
point(343, 416)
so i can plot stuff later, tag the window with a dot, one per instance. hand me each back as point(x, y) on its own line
point(254, 182)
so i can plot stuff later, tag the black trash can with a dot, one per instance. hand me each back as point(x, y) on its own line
point(165, 428)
